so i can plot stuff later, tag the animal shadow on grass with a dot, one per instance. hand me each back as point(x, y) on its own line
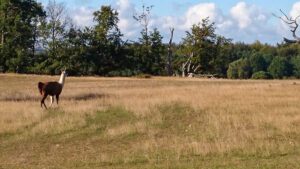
point(87, 96)
point(19, 97)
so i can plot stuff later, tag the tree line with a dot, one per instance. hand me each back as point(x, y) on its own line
point(44, 40)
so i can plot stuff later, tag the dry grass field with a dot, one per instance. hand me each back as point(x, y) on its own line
point(150, 123)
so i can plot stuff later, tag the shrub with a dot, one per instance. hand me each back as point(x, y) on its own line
point(258, 62)
point(122, 73)
point(244, 69)
point(239, 69)
point(261, 75)
point(232, 72)
point(296, 66)
point(143, 76)
point(280, 67)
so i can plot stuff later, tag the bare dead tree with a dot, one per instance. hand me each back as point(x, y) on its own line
point(189, 67)
point(293, 24)
point(170, 54)
point(144, 19)
point(57, 22)
point(54, 26)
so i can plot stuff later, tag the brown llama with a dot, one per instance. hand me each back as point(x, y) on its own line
point(52, 89)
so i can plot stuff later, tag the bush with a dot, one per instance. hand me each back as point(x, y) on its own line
point(244, 69)
point(122, 73)
point(143, 76)
point(239, 69)
point(232, 72)
point(280, 68)
point(296, 66)
point(261, 75)
point(258, 62)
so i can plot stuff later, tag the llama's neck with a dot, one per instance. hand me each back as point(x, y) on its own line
point(62, 79)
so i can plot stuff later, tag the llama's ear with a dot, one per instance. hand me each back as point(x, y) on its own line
point(63, 69)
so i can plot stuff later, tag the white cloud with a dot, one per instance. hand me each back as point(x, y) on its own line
point(200, 11)
point(193, 15)
point(241, 14)
point(244, 22)
point(169, 21)
point(127, 24)
point(249, 23)
point(295, 10)
point(82, 16)
point(247, 15)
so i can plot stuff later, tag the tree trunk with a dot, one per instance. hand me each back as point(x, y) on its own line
point(183, 69)
point(34, 38)
point(3, 29)
point(170, 54)
point(2, 37)
point(187, 65)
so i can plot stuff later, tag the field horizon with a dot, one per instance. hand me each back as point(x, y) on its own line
point(160, 122)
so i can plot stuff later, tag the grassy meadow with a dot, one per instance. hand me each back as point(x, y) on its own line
point(150, 123)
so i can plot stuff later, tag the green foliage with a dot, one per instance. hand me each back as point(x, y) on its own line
point(280, 67)
point(296, 65)
point(43, 41)
point(224, 56)
point(106, 41)
point(240, 69)
point(244, 69)
point(157, 52)
point(199, 47)
point(258, 62)
point(288, 51)
point(176, 118)
point(122, 73)
point(150, 50)
point(261, 75)
point(232, 72)
point(18, 33)
point(111, 117)
point(143, 76)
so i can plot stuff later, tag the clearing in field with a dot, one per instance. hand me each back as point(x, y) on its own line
point(150, 123)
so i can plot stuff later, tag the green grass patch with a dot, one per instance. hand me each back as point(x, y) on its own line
point(52, 113)
point(110, 117)
point(180, 119)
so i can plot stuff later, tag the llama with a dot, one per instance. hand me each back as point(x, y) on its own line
point(52, 89)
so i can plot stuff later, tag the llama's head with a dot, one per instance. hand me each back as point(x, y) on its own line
point(64, 72)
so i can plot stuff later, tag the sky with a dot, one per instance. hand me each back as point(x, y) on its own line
point(242, 21)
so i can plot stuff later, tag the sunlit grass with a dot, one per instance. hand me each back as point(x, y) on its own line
point(150, 123)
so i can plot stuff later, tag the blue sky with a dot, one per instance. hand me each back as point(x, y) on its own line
point(246, 21)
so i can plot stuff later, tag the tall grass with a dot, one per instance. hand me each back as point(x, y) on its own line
point(150, 123)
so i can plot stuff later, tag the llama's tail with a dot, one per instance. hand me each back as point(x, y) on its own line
point(40, 86)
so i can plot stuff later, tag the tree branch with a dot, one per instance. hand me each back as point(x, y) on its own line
point(293, 24)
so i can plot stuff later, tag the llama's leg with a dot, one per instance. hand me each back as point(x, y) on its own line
point(43, 101)
point(51, 100)
point(57, 98)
